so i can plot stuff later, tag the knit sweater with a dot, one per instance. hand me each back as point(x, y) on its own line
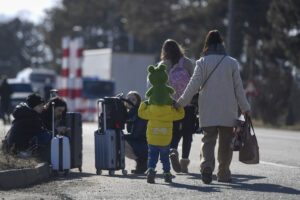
point(219, 99)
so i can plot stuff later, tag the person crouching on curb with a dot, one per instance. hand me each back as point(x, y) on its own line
point(135, 142)
point(26, 125)
point(160, 115)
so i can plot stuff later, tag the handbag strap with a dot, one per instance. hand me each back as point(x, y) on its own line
point(250, 123)
point(211, 73)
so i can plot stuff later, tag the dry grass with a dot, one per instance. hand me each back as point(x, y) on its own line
point(8, 161)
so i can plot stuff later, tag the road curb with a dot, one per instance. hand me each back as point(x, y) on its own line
point(16, 178)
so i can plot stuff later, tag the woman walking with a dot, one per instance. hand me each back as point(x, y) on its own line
point(180, 69)
point(221, 91)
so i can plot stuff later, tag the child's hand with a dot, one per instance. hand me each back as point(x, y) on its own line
point(177, 106)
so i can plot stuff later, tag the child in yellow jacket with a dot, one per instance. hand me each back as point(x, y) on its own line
point(160, 115)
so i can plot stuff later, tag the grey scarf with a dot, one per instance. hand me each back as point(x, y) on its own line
point(218, 49)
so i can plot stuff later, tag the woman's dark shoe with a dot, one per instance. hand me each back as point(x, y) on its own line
point(224, 176)
point(175, 160)
point(184, 163)
point(207, 175)
point(141, 167)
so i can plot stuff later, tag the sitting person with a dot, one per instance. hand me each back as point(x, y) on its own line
point(135, 142)
point(60, 109)
point(26, 125)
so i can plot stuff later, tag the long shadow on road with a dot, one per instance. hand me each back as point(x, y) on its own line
point(70, 176)
point(174, 184)
point(238, 183)
point(265, 187)
point(200, 188)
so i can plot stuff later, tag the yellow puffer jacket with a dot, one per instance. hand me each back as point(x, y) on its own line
point(160, 122)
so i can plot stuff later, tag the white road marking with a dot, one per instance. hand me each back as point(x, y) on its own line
point(278, 165)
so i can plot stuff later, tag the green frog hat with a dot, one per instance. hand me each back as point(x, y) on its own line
point(159, 93)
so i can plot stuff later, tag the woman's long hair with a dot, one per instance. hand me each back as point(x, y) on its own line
point(172, 51)
point(213, 38)
point(59, 102)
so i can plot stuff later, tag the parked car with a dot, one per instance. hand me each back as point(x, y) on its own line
point(21, 91)
point(94, 88)
point(38, 78)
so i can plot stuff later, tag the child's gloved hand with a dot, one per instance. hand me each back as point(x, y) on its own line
point(177, 106)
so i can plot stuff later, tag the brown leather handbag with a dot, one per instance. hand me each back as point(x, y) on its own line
point(249, 152)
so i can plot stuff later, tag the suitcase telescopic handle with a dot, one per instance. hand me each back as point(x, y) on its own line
point(104, 114)
point(53, 118)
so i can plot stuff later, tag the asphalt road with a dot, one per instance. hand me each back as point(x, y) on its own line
point(276, 177)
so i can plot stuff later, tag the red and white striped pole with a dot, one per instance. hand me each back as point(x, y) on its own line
point(71, 82)
point(63, 83)
point(75, 79)
point(78, 75)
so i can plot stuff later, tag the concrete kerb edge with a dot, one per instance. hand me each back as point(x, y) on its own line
point(16, 178)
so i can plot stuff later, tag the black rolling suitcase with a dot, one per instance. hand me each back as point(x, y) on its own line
point(74, 123)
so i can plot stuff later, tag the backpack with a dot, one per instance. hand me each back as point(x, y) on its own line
point(178, 78)
point(116, 113)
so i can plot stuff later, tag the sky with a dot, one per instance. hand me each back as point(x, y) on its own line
point(32, 10)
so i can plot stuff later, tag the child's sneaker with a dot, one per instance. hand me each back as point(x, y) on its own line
point(151, 175)
point(168, 177)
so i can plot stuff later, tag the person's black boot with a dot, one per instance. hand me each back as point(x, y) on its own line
point(141, 167)
point(207, 175)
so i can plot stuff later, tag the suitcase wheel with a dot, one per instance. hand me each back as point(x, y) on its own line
point(111, 172)
point(99, 172)
point(80, 169)
point(66, 172)
point(124, 172)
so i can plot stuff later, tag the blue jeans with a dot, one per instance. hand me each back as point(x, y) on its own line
point(42, 139)
point(154, 152)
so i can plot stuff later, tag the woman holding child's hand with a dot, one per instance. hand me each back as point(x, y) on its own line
point(217, 79)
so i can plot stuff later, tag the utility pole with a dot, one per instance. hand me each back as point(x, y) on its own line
point(230, 29)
